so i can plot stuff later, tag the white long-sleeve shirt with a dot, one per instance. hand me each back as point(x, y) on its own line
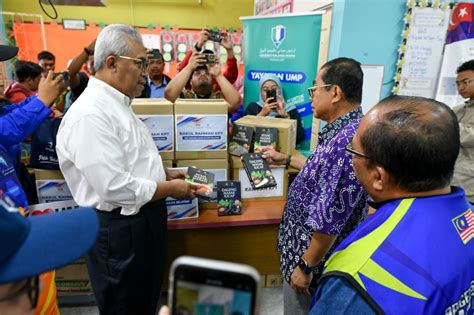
point(106, 154)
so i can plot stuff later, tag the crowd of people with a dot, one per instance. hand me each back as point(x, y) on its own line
point(409, 159)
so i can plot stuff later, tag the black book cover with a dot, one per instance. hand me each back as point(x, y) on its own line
point(229, 198)
point(265, 137)
point(199, 176)
point(240, 140)
point(258, 171)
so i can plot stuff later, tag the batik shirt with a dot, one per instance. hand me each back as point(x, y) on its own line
point(325, 197)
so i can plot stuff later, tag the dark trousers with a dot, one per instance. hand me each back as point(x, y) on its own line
point(126, 264)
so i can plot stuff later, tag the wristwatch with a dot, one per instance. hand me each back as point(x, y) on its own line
point(303, 264)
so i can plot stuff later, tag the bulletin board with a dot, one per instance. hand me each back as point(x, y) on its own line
point(421, 50)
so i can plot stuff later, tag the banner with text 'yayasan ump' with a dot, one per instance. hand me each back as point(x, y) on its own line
point(288, 47)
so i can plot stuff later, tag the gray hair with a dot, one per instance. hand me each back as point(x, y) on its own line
point(113, 40)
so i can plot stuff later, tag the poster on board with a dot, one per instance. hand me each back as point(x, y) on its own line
point(275, 45)
point(420, 58)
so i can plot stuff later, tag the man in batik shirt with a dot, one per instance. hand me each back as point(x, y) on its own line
point(325, 202)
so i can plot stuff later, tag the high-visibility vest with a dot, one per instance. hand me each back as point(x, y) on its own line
point(413, 256)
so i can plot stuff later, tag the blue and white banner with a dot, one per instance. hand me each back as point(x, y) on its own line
point(287, 46)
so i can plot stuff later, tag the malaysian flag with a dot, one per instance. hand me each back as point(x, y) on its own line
point(464, 225)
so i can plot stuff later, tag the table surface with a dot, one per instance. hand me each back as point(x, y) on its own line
point(253, 213)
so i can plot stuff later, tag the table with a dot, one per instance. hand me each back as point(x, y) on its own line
point(250, 238)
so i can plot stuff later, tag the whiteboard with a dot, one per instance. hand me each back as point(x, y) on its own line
point(372, 86)
point(423, 52)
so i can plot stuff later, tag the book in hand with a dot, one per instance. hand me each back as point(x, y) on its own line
point(199, 176)
point(229, 198)
point(240, 140)
point(258, 171)
point(265, 137)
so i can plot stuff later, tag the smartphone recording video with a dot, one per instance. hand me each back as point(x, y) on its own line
point(205, 286)
point(271, 96)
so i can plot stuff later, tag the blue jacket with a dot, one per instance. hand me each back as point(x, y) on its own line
point(18, 121)
point(414, 256)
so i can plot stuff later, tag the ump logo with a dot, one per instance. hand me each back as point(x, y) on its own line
point(278, 35)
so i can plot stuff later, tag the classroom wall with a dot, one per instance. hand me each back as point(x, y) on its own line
point(370, 32)
point(180, 13)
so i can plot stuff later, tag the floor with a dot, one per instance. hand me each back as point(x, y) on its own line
point(271, 303)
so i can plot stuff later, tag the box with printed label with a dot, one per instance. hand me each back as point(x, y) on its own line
point(201, 129)
point(51, 186)
point(73, 279)
point(286, 129)
point(219, 167)
point(279, 192)
point(157, 114)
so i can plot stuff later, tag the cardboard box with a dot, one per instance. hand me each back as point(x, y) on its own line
point(51, 186)
point(279, 192)
point(157, 114)
point(167, 163)
point(220, 168)
point(73, 279)
point(182, 209)
point(286, 129)
point(201, 129)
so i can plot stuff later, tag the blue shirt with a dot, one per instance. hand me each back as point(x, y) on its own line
point(18, 121)
point(157, 91)
point(325, 197)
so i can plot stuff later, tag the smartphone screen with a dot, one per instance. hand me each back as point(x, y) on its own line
point(200, 290)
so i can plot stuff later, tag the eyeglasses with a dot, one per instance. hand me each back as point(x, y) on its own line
point(31, 288)
point(141, 62)
point(313, 89)
point(464, 82)
point(351, 150)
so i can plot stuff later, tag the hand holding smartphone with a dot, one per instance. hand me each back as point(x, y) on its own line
point(206, 286)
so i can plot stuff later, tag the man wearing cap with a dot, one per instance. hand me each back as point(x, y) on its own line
point(156, 79)
point(201, 75)
point(34, 245)
point(17, 121)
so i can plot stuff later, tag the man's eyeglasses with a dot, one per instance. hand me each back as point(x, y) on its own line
point(464, 82)
point(313, 89)
point(141, 62)
point(351, 150)
point(31, 288)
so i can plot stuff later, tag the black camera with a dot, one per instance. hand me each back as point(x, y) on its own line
point(271, 96)
point(214, 36)
point(210, 58)
point(65, 75)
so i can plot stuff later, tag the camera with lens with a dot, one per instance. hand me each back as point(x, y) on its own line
point(65, 75)
point(210, 58)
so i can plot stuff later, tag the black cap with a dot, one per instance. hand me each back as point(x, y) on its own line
point(7, 52)
point(155, 54)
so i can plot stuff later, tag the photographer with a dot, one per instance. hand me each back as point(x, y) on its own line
point(200, 70)
point(28, 75)
point(231, 71)
point(78, 79)
point(272, 103)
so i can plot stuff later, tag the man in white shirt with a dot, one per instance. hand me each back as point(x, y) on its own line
point(110, 163)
